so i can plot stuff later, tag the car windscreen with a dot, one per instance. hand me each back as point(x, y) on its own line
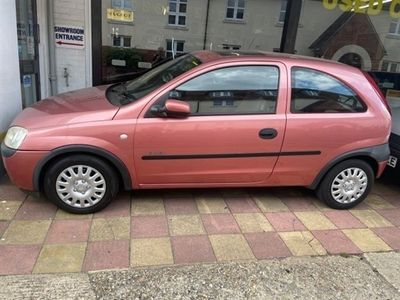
point(129, 91)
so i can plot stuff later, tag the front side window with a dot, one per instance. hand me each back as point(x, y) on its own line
point(231, 91)
point(235, 9)
point(177, 12)
point(316, 92)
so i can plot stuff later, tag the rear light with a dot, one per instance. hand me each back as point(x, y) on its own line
point(374, 84)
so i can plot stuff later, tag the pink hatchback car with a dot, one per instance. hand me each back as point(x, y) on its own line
point(206, 119)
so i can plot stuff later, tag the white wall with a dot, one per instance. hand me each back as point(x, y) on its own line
point(10, 88)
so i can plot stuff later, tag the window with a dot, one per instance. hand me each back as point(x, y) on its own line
point(317, 92)
point(233, 90)
point(122, 41)
point(395, 27)
point(231, 47)
point(389, 66)
point(235, 9)
point(175, 49)
point(282, 13)
point(177, 12)
point(122, 4)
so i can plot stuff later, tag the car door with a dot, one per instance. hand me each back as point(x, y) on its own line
point(233, 134)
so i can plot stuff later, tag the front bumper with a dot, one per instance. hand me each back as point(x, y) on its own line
point(20, 165)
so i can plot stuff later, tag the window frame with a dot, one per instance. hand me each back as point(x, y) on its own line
point(282, 11)
point(235, 10)
point(122, 41)
point(397, 30)
point(177, 12)
point(123, 6)
point(161, 100)
point(357, 96)
point(167, 52)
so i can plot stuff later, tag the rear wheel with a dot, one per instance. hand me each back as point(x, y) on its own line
point(80, 184)
point(346, 184)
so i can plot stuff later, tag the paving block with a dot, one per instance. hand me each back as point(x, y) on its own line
point(392, 215)
point(119, 207)
point(299, 202)
point(241, 205)
point(147, 205)
point(151, 251)
point(192, 249)
point(302, 243)
point(3, 227)
point(267, 245)
point(390, 235)
point(9, 192)
point(253, 222)
point(220, 223)
point(343, 219)
point(211, 205)
point(377, 202)
point(180, 206)
point(68, 231)
point(371, 218)
point(229, 247)
point(285, 221)
point(62, 258)
point(336, 242)
point(270, 203)
point(18, 259)
point(149, 226)
point(110, 229)
point(366, 240)
point(185, 225)
point(8, 209)
point(26, 232)
point(315, 220)
point(36, 209)
point(107, 255)
point(63, 215)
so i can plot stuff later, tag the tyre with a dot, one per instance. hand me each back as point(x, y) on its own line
point(80, 184)
point(346, 184)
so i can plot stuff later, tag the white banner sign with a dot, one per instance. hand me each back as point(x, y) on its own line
point(69, 36)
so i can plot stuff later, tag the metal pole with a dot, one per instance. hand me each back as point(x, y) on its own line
point(292, 17)
point(52, 50)
point(206, 26)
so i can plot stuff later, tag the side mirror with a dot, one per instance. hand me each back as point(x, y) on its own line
point(172, 108)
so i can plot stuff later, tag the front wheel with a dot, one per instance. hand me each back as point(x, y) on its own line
point(80, 184)
point(346, 184)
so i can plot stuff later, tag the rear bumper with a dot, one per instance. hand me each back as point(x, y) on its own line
point(20, 166)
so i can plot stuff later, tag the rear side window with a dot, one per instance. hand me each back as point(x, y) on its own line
point(317, 92)
point(231, 91)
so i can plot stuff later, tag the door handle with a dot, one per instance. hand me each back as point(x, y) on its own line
point(268, 133)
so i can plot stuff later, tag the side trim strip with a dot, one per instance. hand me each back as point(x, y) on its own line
point(227, 155)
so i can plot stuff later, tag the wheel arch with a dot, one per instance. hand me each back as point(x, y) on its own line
point(58, 153)
point(371, 155)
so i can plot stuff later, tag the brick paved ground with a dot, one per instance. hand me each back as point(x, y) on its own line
point(190, 226)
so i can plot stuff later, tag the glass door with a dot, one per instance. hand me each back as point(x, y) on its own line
point(28, 51)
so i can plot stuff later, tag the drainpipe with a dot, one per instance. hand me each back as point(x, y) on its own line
point(52, 48)
point(206, 26)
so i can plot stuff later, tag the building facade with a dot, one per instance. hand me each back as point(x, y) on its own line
point(55, 46)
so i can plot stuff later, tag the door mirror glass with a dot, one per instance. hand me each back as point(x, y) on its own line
point(172, 108)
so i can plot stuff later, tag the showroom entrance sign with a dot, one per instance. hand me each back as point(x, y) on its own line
point(69, 36)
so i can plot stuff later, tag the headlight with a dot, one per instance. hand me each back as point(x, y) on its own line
point(15, 136)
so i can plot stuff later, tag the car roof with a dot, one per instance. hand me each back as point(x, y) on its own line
point(212, 56)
